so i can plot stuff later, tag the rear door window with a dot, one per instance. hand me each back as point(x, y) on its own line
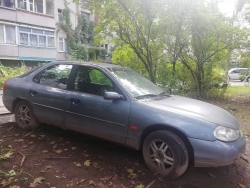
point(56, 76)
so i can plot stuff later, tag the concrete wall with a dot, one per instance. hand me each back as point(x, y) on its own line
point(38, 53)
point(31, 18)
point(8, 51)
point(7, 14)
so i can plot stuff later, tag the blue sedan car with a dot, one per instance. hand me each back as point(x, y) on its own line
point(117, 104)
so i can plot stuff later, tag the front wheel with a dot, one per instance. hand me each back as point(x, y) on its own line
point(25, 117)
point(165, 154)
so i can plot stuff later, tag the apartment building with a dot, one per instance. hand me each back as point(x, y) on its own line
point(29, 32)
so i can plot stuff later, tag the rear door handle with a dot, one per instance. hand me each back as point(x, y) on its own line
point(33, 92)
point(75, 101)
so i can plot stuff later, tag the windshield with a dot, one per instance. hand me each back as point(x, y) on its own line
point(135, 83)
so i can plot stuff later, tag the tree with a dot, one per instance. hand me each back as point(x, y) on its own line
point(134, 22)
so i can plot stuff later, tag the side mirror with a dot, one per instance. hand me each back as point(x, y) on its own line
point(112, 96)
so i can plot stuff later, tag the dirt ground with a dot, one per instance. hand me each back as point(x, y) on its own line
point(53, 158)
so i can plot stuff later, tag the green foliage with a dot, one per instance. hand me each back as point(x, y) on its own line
point(103, 53)
point(79, 52)
point(8, 72)
point(182, 44)
point(80, 36)
point(99, 78)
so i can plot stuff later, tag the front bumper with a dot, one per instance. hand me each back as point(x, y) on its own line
point(217, 153)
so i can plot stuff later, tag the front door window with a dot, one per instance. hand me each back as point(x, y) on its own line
point(92, 81)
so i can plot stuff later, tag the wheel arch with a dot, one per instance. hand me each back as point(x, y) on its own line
point(179, 133)
point(16, 101)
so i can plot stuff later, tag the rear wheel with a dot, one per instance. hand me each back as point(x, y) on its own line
point(25, 117)
point(165, 154)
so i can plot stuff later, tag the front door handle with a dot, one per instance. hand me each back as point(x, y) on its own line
point(75, 101)
point(33, 92)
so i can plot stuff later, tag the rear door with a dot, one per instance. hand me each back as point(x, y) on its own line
point(47, 94)
point(89, 112)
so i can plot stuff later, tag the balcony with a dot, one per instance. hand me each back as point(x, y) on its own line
point(7, 3)
point(45, 7)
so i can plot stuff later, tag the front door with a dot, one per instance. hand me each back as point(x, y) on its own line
point(89, 112)
point(47, 94)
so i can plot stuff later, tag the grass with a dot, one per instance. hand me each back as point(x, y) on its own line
point(238, 91)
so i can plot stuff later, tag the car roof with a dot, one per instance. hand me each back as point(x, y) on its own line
point(99, 64)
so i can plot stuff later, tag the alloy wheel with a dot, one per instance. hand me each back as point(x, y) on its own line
point(161, 155)
point(24, 115)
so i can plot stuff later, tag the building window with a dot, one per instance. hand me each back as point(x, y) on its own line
point(60, 15)
point(62, 45)
point(7, 3)
point(10, 34)
point(7, 34)
point(49, 7)
point(39, 6)
point(36, 37)
point(85, 15)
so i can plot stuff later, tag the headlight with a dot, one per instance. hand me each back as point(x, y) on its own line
point(226, 134)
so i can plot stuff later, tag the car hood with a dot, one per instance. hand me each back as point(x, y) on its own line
point(196, 109)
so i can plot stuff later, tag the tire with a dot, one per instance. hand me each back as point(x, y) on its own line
point(25, 117)
point(165, 154)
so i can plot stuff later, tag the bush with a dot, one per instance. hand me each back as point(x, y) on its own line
point(8, 72)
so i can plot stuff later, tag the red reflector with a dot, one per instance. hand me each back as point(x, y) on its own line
point(4, 86)
point(133, 127)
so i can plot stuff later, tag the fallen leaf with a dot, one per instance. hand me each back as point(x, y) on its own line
point(7, 155)
point(45, 151)
point(38, 180)
point(91, 182)
point(87, 163)
point(55, 146)
point(14, 186)
point(48, 167)
point(33, 136)
point(58, 151)
point(81, 181)
point(20, 140)
point(58, 176)
point(11, 173)
point(65, 149)
point(140, 186)
point(53, 142)
point(77, 164)
point(74, 148)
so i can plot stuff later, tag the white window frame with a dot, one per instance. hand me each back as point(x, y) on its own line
point(38, 36)
point(4, 34)
point(64, 44)
point(33, 6)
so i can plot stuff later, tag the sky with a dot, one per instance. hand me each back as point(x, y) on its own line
point(227, 7)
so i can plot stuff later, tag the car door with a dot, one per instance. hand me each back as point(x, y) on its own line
point(89, 112)
point(235, 74)
point(47, 94)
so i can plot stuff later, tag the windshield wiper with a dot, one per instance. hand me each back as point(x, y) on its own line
point(164, 94)
point(145, 96)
